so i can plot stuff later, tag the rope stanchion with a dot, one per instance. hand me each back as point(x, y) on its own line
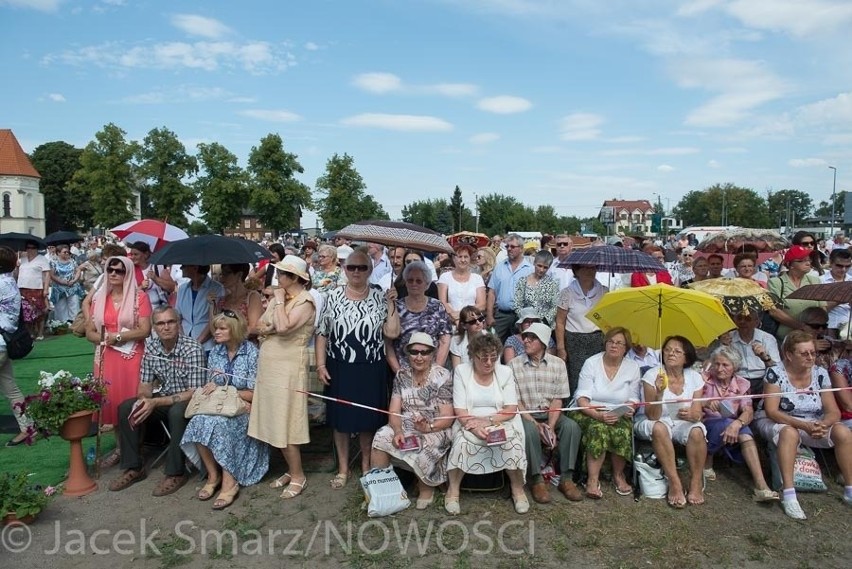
point(634, 404)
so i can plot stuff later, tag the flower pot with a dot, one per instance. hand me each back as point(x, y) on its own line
point(75, 427)
point(11, 518)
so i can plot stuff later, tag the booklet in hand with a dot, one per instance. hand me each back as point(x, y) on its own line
point(619, 410)
point(495, 436)
point(410, 442)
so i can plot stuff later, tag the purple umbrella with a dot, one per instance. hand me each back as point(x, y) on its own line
point(615, 259)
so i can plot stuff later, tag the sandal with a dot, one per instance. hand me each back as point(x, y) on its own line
point(208, 490)
point(594, 493)
point(281, 481)
point(625, 490)
point(289, 492)
point(339, 481)
point(112, 459)
point(128, 478)
point(226, 498)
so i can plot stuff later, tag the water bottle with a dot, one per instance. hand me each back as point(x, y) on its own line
point(90, 456)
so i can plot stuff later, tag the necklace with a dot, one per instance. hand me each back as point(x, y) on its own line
point(355, 292)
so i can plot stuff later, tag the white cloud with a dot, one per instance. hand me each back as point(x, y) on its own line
point(797, 17)
point(743, 86)
point(713, 164)
point(836, 111)
point(838, 139)
point(624, 139)
point(253, 57)
point(484, 138)
point(665, 168)
point(452, 89)
point(40, 5)
point(504, 105)
point(378, 82)
point(196, 25)
point(580, 126)
point(56, 97)
point(670, 151)
point(271, 115)
point(311, 46)
point(409, 123)
point(807, 162)
point(181, 94)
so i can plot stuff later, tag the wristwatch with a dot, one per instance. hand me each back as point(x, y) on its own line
point(431, 427)
point(118, 338)
point(175, 399)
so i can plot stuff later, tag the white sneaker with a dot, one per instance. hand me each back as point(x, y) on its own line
point(793, 509)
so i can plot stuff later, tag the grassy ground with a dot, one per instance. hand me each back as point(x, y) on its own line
point(46, 459)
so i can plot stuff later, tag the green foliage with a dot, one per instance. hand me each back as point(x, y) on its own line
point(106, 177)
point(57, 162)
point(163, 165)
point(501, 214)
point(196, 228)
point(223, 188)
point(433, 214)
point(462, 217)
point(343, 198)
point(787, 207)
point(18, 495)
point(723, 205)
point(61, 395)
point(276, 197)
point(824, 209)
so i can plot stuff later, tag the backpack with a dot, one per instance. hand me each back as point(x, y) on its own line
point(18, 343)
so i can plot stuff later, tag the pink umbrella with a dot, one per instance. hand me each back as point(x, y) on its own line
point(154, 232)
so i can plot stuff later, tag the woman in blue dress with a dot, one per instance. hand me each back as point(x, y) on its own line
point(231, 457)
point(66, 292)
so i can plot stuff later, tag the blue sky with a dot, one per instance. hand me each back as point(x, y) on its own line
point(560, 102)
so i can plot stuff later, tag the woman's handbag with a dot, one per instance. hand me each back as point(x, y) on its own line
point(18, 343)
point(78, 327)
point(224, 401)
point(384, 492)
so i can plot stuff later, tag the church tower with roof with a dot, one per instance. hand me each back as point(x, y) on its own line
point(21, 202)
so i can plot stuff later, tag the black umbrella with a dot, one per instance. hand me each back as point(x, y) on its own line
point(62, 238)
point(18, 241)
point(210, 250)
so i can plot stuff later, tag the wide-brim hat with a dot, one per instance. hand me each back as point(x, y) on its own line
point(344, 251)
point(421, 338)
point(295, 266)
point(541, 331)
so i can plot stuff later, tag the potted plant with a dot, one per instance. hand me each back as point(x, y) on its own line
point(61, 395)
point(57, 327)
point(21, 501)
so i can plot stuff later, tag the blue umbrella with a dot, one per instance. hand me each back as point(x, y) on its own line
point(615, 259)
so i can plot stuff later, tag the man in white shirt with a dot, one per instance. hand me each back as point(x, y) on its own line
point(840, 262)
point(397, 260)
point(560, 270)
point(381, 263)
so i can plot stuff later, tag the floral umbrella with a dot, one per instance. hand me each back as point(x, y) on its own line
point(743, 239)
point(396, 234)
point(738, 295)
point(475, 240)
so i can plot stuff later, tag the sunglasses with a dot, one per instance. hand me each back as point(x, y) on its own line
point(357, 268)
point(475, 320)
point(807, 243)
point(563, 244)
point(230, 314)
point(424, 352)
point(115, 271)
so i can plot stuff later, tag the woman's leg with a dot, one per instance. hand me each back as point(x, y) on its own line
point(379, 458)
point(424, 491)
point(594, 467)
point(788, 443)
point(842, 438)
point(661, 441)
point(516, 481)
point(209, 462)
point(696, 453)
point(293, 456)
point(454, 478)
point(618, 465)
point(365, 440)
point(341, 446)
point(749, 450)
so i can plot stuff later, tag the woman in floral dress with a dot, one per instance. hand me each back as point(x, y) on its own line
point(66, 291)
point(538, 290)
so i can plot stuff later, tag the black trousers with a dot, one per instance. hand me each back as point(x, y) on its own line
point(131, 439)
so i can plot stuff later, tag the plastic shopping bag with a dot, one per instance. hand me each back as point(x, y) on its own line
point(384, 492)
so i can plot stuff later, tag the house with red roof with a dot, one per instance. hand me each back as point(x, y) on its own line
point(21, 201)
point(630, 217)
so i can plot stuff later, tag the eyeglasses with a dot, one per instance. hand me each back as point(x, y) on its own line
point(475, 320)
point(513, 246)
point(809, 354)
point(357, 268)
point(688, 255)
point(230, 314)
point(529, 336)
point(816, 325)
point(673, 352)
point(487, 358)
point(807, 244)
point(563, 244)
point(162, 323)
point(424, 352)
point(414, 281)
point(616, 343)
point(115, 271)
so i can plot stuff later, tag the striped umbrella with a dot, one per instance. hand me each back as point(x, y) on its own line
point(615, 259)
point(396, 234)
point(154, 232)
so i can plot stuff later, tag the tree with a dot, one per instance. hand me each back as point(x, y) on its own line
point(723, 205)
point(57, 162)
point(106, 177)
point(824, 209)
point(277, 198)
point(163, 165)
point(197, 228)
point(788, 206)
point(223, 188)
point(501, 214)
point(344, 200)
point(461, 216)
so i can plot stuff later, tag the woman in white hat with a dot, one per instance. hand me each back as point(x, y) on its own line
point(279, 413)
point(422, 391)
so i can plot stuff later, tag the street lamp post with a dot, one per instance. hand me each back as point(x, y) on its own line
point(833, 191)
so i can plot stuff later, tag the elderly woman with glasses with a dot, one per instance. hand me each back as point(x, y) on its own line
point(231, 457)
point(280, 410)
point(328, 274)
point(488, 435)
point(609, 384)
point(515, 343)
point(745, 265)
point(682, 270)
point(419, 313)
point(412, 256)
point(800, 412)
point(355, 322)
point(237, 297)
point(423, 396)
point(471, 323)
point(727, 416)
point(538, 290)
point(798, 263)
point(671, 414)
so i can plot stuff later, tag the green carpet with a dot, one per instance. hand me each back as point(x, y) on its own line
point(47, 459)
